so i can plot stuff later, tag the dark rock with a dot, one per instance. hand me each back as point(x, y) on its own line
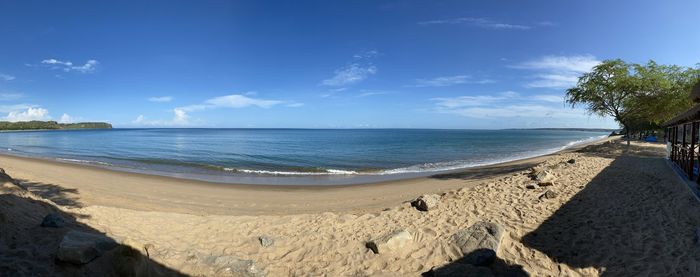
point(80, 247)
point(266, 241)
point(53, 220)
point(460, 270)
point(426, 202)
point(548, 195)
point(571, 161)
point(479, 243)
point(530, 186)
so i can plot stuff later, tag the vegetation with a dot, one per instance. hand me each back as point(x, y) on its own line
point(51, 125)
point(639, 97)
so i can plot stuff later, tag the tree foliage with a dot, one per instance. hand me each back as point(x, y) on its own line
point(51, 125)
point(639, 96)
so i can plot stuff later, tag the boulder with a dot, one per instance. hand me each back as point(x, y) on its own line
point(544, 176)
point(53, 220)
point(266, 241)
point(234, 266)
point(426, 202)
point(78, 247)
point(478, 243)
point(460, 270)
point(548, 194)
point(391, 242)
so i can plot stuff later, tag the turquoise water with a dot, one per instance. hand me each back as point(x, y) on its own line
point(289, 156)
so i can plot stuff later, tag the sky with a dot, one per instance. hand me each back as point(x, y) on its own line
point(325, 64)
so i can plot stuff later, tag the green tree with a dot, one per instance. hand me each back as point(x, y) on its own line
point(607, 91)
point(639, 97)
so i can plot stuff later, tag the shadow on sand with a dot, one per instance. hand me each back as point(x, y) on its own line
point(457, 269)
point(57, 194)
point(485, 172)
point(27, 249)
point(633, 219)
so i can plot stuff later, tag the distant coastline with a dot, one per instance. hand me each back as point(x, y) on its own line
point(50, 125)
point(567, 129)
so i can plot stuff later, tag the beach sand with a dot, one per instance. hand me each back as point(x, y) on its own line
point(615, 211)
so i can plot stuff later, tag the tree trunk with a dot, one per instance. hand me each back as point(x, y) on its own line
point(627, 130)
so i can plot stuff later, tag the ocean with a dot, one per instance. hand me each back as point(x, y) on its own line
point(290, 156)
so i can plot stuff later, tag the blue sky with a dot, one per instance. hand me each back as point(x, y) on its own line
point(324, 64)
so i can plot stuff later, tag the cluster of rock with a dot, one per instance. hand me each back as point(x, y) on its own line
point(477, 244)
point(545, 177)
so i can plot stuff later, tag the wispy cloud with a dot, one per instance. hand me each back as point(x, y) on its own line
point(67, 66)
point(6, 77)
point(161, 99)
point(478, 22)
point(359, 69)
point(558, 71)
point(349, 75)
point(9, 96)
point(549, 98)
point(446, 81)
point(181, 115)
point(505, 105)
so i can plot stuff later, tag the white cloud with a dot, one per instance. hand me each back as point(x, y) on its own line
point(558, 71)
point(161, 99)
point(507, 104)
point(233, 101)
point(67, 66)
point(478, 22)
point(372, 93)
point(6, 77)
point(445, 81)
point(549, 98)
point(239, 101)
point(442, 81)
point(350, 74)
point(65, 118)
point(30, 113)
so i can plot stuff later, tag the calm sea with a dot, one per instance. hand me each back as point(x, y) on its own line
point(290, 156)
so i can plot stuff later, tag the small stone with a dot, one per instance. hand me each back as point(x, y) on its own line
point(426, 202)
point(391, 242)
point(78, 247)
point(571, 161)
point(530, 186)
point(266, 241)
point(53, 220)
point(479, 243)
point(548, 195)
point(545, 184)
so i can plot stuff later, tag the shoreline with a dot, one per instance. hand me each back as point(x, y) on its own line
point(80, 185)
point(301, 180)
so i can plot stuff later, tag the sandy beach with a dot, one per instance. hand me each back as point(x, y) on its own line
point(606, 211)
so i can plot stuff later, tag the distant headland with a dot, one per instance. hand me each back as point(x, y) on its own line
point(51, 125)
